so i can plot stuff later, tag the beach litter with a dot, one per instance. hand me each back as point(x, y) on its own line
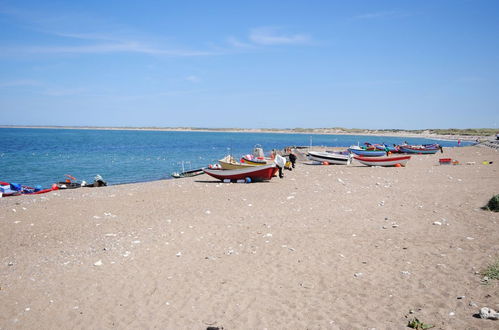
point(489, 313)
point(493, 204)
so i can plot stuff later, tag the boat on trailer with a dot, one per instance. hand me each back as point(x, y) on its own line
point(383, 161)
point(330, 157)
point(255, 173)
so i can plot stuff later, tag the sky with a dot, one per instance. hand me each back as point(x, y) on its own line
point(250, 64)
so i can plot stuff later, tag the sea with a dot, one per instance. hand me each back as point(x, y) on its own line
point(39, 156)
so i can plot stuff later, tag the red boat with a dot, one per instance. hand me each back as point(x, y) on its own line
point(383, 161)
point(255, 173)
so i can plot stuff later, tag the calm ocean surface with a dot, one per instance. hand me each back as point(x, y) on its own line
point(42, 156)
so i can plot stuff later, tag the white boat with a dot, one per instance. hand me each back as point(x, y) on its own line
point(383, 161)
point(330, 157)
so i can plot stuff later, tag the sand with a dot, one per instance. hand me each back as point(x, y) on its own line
point(327, 247)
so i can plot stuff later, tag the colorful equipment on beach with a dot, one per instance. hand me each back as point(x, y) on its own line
point(15, 189)
point(383, 161)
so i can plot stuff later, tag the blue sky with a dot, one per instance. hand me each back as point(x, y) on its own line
point(251, 64)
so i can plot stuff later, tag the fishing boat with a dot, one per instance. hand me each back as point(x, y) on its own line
point(14, 189)
point(255, 173)
point(366, 153)
point(423, 149)
point(188, 173)
point(229, 163)
point(251, 160)
point(330, 157)
point(383, 161)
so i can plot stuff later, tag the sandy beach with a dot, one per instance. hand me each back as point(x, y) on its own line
point(327, 247)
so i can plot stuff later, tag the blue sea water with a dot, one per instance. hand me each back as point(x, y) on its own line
point(33, 156)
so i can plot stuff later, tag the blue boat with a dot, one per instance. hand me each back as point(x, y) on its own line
point(419, 149)
point(367, 153)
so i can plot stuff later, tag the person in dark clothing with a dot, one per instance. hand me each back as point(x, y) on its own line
point(292, 159)
point(441, 149)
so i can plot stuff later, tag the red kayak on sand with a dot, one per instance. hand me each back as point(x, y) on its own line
point(255, 173)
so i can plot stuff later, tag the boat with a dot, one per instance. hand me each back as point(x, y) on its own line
point(229, 163)
point(251, 160)
point(383, 161)
point(254, 173)
point(366, 153)
point(14, 189)
point(330, 157)
point(423, 149)
point(188, 173)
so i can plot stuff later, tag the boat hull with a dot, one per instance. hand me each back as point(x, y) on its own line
point(255, 173)
point(425, 151)
point(187, 174)
point(331, 158)
point(367, 153)
point(383, 161)
point(229, 163)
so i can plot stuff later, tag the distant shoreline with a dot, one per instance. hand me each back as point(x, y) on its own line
point(324, 131)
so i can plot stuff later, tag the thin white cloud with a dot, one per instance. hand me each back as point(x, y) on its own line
point(90, 39)
point(64, 91)
point(273, 36)
point(239, 44)
point(20, 83)
point(382, 14)
point(193, 78)
point(104, 48)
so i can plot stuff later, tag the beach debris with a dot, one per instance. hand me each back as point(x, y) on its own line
point(461, 297)
point(489, 313)
point(417, 324)
point(493, 204)
point(290, 197)
point(437, 223)
point(382, 203)
point(207, 212)
point(469, 238)
point(358, 274)
point(179, 254)
point(136, 242)
point(405, 272)
point(98, 263)
point(452, 313)
point(341, 181)
point(126, 254)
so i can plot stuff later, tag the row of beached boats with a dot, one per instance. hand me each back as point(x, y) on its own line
point(256, 167)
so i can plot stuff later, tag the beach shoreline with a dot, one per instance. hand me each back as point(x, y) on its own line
point(330, 247)
point(395, 133)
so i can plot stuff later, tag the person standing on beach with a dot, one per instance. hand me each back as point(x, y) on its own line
point(458, 143)
point(292, 158)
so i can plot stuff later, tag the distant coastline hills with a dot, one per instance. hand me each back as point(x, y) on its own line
point(450, 133)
